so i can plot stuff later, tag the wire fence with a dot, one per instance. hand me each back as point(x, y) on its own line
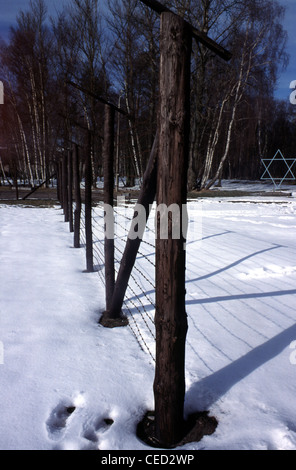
point(139, 301)
point(203, 341)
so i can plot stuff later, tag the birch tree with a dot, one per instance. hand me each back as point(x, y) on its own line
point(27, 59)
point(135, 62)
point(81, 48)
point(217, 91)
point(257, 64)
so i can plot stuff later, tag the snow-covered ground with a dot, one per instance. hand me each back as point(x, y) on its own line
point(241, 272)
point(259, 185)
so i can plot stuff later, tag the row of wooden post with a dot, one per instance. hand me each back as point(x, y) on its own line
point(69, 192)
point(166, 176)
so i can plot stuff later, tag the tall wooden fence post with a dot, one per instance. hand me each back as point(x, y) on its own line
point(70, 190)
point(58, 176)
point(88, 207)
point(171, 318)
point(108, 320)
point(108, 159)
point(145, 200)
point(65, 188)
point(77, 192)
point(16, 183)
point(60, 167)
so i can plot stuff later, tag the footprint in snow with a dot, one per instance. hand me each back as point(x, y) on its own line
point(93, 430)
point(57, 421)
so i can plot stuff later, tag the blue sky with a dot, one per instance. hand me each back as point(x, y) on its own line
point(9, 9)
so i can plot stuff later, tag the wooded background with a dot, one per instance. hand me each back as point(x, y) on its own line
point(113, 52)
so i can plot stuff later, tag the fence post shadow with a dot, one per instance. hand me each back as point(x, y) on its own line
point(210, 389)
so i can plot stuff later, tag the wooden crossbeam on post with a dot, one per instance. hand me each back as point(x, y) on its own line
point(196, 33)
point(39, 186)
point(96, 97)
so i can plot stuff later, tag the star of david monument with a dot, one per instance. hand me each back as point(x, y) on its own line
point(279, 169)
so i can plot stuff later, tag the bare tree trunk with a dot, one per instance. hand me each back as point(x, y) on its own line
point(244, 72)
point(36, 124)
point(25, 149)
point(212, 144)
point(131, 129)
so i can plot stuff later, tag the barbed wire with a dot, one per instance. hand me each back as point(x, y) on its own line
point(138, 299)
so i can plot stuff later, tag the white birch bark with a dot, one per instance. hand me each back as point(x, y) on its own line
point(138, 174)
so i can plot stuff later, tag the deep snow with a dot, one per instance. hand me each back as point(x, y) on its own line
point(241, 271)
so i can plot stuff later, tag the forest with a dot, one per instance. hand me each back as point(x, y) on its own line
point(110, 50)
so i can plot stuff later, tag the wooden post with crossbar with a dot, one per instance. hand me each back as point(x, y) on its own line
point(198, 35)
point(172, 167)
point(108, 162)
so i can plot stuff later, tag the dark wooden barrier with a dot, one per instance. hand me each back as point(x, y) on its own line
point(172, 166)
point(65, 188)
point(145, 199)
point(108, 160)
point(88, 206)
point(77, 192)
point(170, 315)
point(70, 190)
